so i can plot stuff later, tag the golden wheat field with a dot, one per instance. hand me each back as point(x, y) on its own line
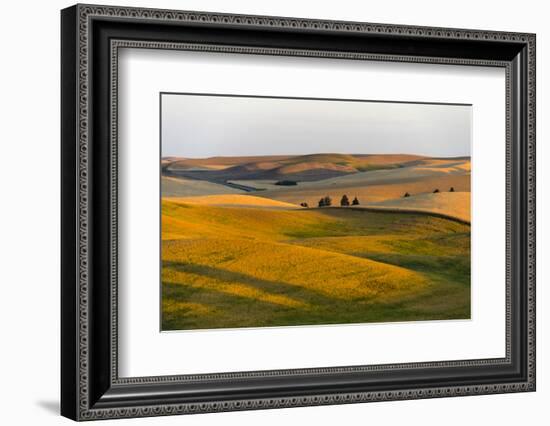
point(239, 260)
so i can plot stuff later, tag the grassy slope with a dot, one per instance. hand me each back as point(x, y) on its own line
point(234, 200)
point(240, 267)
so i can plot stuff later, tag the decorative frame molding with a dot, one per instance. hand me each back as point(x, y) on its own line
point(85, 397)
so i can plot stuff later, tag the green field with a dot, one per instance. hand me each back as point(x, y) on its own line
point(227, 267)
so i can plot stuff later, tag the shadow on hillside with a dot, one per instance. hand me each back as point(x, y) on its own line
point(294, 291)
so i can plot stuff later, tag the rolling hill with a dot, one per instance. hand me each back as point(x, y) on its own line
point(182, 187)
point(258, 266)
point(303, 168)
point(234, 200)
point(376, 186)
point(451, 204)
point(381, 188)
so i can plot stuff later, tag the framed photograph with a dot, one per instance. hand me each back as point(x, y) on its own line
point(263, 212)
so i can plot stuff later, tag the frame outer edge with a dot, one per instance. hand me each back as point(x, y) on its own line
point(83, 13)
point(69, 221)
point(83, 61)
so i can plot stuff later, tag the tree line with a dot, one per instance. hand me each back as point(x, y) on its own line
point(326, 201)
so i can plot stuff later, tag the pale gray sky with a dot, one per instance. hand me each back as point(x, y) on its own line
point(206, 126)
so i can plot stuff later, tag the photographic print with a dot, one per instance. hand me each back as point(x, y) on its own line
point(279, 211)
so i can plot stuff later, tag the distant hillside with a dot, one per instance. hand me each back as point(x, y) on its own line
point(303, 168)
point(181, 163)
point(182, 187)
point(451, 204)
point(417, 177)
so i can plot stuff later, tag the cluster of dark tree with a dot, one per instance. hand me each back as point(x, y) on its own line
point(436, 190)
point(325, 202)
point(286, 182)
point(344, 202)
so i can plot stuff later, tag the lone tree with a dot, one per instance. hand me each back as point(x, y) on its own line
point(328, 201)
point(452, 189)
point(406, 195)
point(322, 202)
point(436, 191)
point(355, 202)
point(304, 204)
point(344, 202)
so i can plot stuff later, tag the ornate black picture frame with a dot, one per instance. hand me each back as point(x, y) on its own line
point(91, 387)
